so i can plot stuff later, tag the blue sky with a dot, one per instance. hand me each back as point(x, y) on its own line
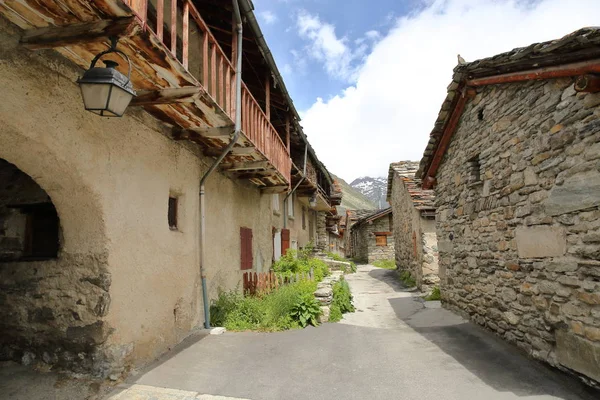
point(368, 76)
point(305, 77)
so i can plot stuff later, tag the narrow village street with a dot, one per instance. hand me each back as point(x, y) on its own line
point(395, 346)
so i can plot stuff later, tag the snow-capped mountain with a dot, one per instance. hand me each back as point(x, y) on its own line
point(374, 188)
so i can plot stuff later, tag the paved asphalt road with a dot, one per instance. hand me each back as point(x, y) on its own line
point(393, 347)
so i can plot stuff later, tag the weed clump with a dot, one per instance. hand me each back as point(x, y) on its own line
point(342, 301)
point(386, 264)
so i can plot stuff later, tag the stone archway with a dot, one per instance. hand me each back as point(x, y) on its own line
point(52, 303)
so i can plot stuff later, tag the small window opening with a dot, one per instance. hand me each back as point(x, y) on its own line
point(173, 213)
point(474, 169)
point(480, 114)
point(380, 240)
point(41, 231)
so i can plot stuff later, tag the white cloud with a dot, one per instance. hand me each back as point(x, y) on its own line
point(268, 17)
point(325, 46)
point(389, 112)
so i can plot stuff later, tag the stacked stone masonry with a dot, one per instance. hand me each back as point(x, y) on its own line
point(365, 241)
point(520, 246)
point(414, 230)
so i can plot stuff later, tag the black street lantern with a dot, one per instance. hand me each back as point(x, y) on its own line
point(106, 91)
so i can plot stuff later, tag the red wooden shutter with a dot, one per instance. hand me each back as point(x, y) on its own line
point(246, 248)
point(285, 240)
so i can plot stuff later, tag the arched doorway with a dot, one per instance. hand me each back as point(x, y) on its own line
point(29, 224)
point(53, 299)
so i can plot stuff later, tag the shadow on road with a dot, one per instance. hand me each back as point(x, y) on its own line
point(494, 361)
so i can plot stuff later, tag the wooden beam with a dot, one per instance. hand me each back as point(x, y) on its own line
point(236, 151)
point(560, 71)
point(167, 96)
point(239, 166)
point(274, 189)
point(190, 134)
point(68, 35)
point(588, 83)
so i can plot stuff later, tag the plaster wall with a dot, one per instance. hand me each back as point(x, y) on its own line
point(110, 180)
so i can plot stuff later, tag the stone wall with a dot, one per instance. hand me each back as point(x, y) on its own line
point(520, 246)
point(322, 243)
point(415, 238)
point(365, 248)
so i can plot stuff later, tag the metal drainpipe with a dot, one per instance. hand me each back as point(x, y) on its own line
point(285, 200)
point(236, 134)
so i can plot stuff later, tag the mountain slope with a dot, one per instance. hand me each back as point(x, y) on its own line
point(353, 199)
point(375, 189)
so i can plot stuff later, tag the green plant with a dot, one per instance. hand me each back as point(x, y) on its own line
point(342, 296)
point(434, 295)
point(269, 312)
point(407, 279)
point(306, 310)
point(352, 266)
point(301, 262)
point(335, 314)
point(386, 264)
point(335, 256)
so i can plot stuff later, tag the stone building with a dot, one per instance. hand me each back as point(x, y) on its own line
point(514, 159)
point(414, 224)
point(101, 267)
point(371, 237)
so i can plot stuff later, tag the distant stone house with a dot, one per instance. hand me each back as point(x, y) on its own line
point(349, 219)
point(372, 237)
point(414, 224)
point(514, 159)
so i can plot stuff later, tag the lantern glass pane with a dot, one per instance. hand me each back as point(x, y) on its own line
point(119, 100)
point(95, 95)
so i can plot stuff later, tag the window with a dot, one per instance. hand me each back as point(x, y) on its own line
point(303, 218)
point(172, 214)
point(275, 204)
point(474, 170)
point(246, 257)
point(380, 239)
point(291, 200)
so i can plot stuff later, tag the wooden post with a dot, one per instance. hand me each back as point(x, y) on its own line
point(205, 61)
point(174, 27)
point(268, 97)
point(160, 12)
point(186, 24)
point(287, 132)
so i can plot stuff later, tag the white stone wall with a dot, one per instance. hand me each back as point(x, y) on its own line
point(520, 250)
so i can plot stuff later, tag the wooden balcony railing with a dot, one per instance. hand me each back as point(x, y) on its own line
point(192, 43)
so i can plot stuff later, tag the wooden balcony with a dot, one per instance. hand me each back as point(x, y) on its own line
point(180, 72)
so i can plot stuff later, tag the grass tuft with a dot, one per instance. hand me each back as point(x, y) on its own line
point(386, 264)
point(435, 295)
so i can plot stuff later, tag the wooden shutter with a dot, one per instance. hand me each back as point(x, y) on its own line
point(285, 240)
point(381, 240)
point(246, 248)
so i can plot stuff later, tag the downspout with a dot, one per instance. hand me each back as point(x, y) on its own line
point(285, 200)
point(234, 138)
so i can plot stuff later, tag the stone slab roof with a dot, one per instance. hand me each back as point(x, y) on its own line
point(374, 215)
point(422, 199)
point(578, 46)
